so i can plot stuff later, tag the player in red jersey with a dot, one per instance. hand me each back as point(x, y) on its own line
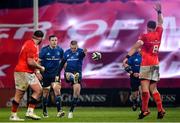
point(25, 76)
point(149, 70)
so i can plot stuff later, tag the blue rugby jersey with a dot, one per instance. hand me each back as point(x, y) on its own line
point(74, 60)
point(50, 59)
point(135, 61)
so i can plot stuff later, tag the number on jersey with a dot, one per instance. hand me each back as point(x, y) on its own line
point(155, 49)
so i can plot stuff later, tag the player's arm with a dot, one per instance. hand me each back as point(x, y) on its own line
point(159, 12)
point(31, 54)
point(63, 61)
point(37, 71)
point(61, 64)
point(83, 53)
point(31, 62)
point(127, 66)
point(134, 49)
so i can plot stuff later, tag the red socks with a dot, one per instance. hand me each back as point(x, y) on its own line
point(14, 107)
point(31, 106)
point(157, 99)
point(145, 101)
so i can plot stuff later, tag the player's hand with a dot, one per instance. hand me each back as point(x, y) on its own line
point(157, 7)
point(42, 69)
point(136, 74)
point(85, 51)
point(39, 76)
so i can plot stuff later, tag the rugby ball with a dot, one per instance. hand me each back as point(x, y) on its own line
point(96, 56)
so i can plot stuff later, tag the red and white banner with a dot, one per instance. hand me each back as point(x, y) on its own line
point(110, 27)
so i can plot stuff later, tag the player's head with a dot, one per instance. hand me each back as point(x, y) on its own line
point(38, 36)
point(151, 26)
point(73, 45)
point(53, 40)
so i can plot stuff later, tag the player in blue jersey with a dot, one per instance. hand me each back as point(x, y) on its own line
point(72, 63)
point(132, 67)
point(50, 57)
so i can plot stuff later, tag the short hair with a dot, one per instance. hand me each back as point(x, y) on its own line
point(73, 42)
point(51, 36)
point(151, 24)
point(38, 33)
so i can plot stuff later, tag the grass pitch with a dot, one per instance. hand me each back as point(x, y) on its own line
point(97, 114)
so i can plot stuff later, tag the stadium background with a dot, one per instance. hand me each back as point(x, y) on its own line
point(108, 26)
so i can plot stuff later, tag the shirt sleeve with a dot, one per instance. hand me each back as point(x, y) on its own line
point(42, 53)
point(81, 54)
point(65, 56)
point(142, 37)
point(31, 52)
point(62, 53)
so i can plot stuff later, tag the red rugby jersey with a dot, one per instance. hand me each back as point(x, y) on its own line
point(28, 50)
point(150, 48)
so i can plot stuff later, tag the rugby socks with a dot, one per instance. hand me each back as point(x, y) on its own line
point(32, 104)
point(157, 99)
point(44, 105)
point(73, 104)
point(58, 103)
point(145, 101)
point(14, 107)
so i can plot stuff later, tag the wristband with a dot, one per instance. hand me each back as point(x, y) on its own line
point(159, 11)
point(128, 69)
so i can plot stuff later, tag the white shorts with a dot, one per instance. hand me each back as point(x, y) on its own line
point(24, 79)
point(150, 73)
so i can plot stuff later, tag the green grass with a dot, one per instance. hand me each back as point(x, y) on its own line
point(98, 114)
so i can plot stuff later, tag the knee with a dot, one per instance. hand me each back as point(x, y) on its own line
point(45, 93)
point(18, 96)
point(153, 90)
point(145, 89)
point(77, 93)
point(39, 92)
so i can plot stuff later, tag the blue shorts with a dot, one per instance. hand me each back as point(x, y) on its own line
point(46, 81)
point(135, 83)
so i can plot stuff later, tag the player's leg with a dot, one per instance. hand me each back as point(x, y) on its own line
point(145, 94)
point(157, 98)
point(57, 91)
point(46, 88)
point(75, 80)
point(140, 97)
point(134, 98)
point(76, 94)
point(15, 104)
point(145, 76)
point(35, 97)
point(45, 101)
point(145, 99)
point(155, 93)
point(21, 86)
